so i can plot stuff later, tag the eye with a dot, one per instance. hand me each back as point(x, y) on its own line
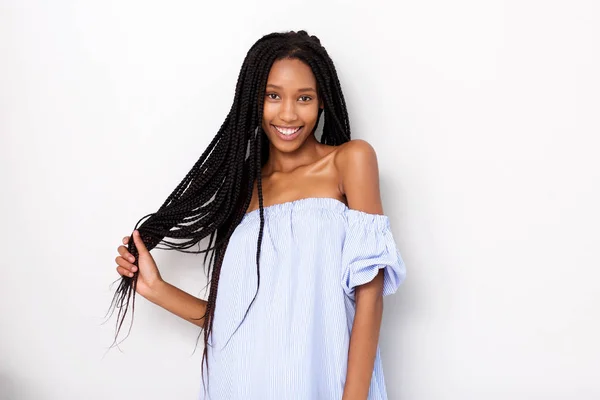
point(306, 97)
point(269, 95)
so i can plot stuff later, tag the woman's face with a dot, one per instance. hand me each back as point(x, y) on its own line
point(291, 105)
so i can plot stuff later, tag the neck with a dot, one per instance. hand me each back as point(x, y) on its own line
point(279, 161)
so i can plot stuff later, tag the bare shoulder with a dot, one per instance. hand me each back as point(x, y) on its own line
point(356, 162)
point(353, 156)
point(355, 148)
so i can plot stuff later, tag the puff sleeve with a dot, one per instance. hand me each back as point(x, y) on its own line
point(368, 247)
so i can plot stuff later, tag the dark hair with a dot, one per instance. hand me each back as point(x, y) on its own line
point(213, 197)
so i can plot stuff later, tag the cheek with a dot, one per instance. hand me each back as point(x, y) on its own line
point(310, 114)
point(269, 111)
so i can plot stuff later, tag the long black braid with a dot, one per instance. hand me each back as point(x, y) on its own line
point(213, 197)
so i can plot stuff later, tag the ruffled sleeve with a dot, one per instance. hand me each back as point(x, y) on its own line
point(368, 247)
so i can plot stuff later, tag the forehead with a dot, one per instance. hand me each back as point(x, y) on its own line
point(291, 74)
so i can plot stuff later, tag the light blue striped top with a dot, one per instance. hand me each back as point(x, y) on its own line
point(293, 344)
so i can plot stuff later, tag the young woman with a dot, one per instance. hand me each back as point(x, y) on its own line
point(301, 252)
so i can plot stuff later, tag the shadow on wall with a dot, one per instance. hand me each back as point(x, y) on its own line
point(7, 388)
point(16, 388)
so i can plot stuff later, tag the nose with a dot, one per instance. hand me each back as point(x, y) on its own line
point(287, 111)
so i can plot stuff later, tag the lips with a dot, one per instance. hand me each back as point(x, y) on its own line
point(288, 133)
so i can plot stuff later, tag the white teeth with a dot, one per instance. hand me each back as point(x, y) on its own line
point(287, 131)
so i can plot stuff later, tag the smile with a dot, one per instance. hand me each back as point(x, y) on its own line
point(287, 131)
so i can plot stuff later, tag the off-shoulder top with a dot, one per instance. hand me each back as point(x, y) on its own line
point(294, 341)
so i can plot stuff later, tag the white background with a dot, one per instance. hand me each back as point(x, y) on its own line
point(484, 115)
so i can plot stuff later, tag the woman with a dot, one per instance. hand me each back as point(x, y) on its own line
point(301, 252)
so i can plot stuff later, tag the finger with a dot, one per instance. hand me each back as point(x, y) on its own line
point(125, 264)
point(126, 240)
point(125, 253)
point(123, 271)
point(138, 242)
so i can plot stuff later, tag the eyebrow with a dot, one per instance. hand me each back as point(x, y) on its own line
point(308, 89)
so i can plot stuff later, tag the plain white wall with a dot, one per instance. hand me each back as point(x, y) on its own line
point(484, 116)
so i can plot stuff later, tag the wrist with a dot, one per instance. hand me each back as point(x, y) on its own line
point(155, 290)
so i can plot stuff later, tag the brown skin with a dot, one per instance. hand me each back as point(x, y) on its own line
point(302, 167)
point(296, 169)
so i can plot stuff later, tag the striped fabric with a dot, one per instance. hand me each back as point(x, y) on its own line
point(293, 343)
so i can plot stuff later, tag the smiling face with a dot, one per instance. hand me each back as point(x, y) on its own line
point(291, 104)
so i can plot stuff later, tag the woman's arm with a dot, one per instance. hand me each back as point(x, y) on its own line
point(364, 338)
point(178, 302)
point(151, 286)
point(359, 182)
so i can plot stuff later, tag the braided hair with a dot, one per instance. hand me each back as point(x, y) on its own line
point(213, 197)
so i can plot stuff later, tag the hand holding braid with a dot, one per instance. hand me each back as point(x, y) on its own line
point(148, 276)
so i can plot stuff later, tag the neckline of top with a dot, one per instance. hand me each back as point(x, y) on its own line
point(310, 203)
